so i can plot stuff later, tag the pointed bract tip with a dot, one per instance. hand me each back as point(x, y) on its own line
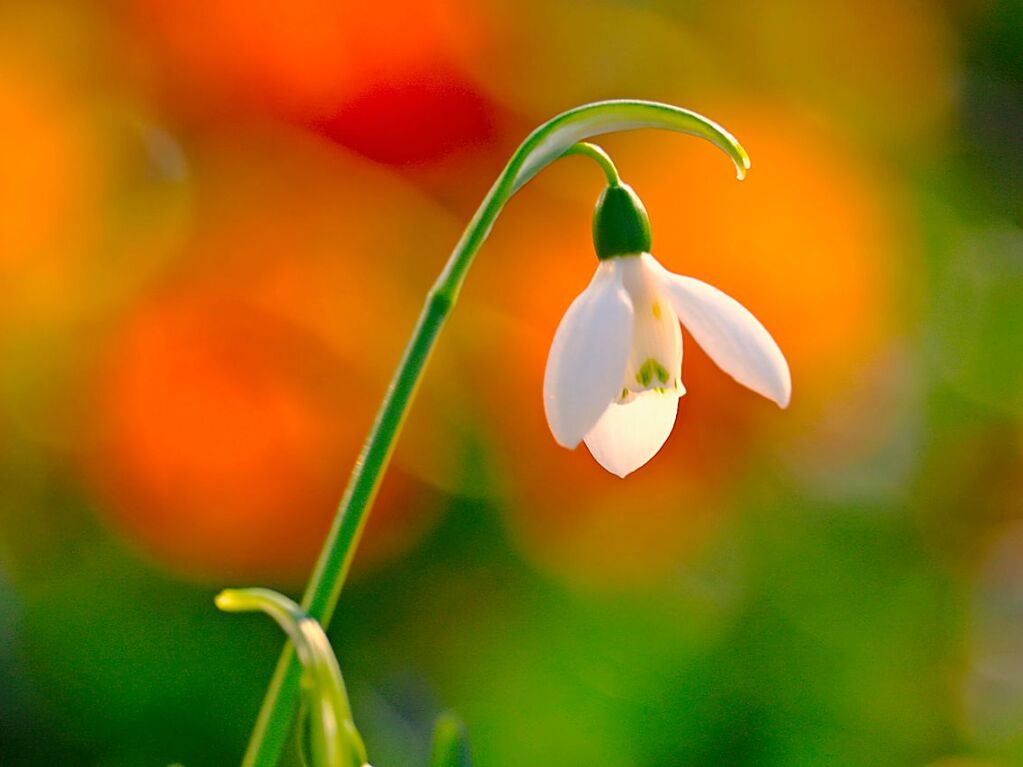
point(742, 168)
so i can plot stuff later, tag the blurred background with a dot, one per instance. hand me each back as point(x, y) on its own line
point(218, 220)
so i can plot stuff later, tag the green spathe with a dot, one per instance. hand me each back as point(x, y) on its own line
point(621, 226)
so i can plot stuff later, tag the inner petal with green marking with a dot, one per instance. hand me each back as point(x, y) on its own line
point(655, 361)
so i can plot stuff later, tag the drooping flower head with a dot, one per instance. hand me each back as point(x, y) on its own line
point(614, 372)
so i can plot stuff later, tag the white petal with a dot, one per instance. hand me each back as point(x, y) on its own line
point(587, 360)
point(656, 337)
point(730, 335)
point(629, 435)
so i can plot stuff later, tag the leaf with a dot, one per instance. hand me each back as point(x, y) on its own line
point(334, 741)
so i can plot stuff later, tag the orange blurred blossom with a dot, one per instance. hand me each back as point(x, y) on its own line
point(231, 404)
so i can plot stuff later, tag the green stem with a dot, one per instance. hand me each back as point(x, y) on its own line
point(599, 156)
point(544, 145)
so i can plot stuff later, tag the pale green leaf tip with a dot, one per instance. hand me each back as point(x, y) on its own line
point(252, 600)
point(225, 600)
point(242, 600)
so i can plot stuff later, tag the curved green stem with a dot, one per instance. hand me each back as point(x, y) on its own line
point(544, 145)
point(599, 156)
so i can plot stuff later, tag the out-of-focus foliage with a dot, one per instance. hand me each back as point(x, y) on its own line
point(217, 222)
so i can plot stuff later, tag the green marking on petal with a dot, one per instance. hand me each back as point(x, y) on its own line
point(662, 374)
point(645, 374)
point(649, 370)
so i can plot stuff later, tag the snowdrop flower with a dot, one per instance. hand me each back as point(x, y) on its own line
point(614, 372)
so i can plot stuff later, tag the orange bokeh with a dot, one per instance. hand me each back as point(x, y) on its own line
point(52, 186)
point(230, 406)
point(883, 67)
point(222, 423)
point(387, 80)
point(86, 213)
point(225, 438)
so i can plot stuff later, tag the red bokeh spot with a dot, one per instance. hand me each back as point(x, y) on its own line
point(389, 80)
point(423, 116)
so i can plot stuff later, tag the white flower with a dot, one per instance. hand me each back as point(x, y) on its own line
point(614, 373)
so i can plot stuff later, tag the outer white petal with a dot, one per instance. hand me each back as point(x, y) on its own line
point(730, 335)
point(627, 436)
point(587, 360)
